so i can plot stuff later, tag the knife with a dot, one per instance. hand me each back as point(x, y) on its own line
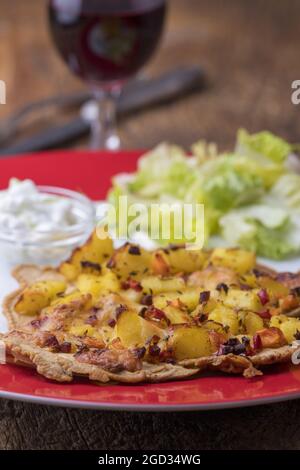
point(139, 95)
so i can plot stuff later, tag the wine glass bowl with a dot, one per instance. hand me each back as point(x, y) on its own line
point(105, 42)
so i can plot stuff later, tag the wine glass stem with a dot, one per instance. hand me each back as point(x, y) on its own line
point(103, 125)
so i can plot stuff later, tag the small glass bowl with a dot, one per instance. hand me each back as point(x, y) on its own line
point(50, 247)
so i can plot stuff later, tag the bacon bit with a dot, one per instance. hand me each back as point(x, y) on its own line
point(65, 347)
point(111, 263)
point(167, 356)
point(234, 346)
point(93, 342)
point(269, 338)
point(154, 350)
point(139, 352)
point(263, 296)
point(216, 339)
point(91, 320)
point(297, 335)
point(221, 286)
point(204, 296)
point(131, 284)
point(257, 342)
point(147, 300)
point(112, 323)
point(38, 323)
point(89, 264)
point(155, 314)
point(134, 250)
point(202, 317)
point(51, 342)
point(159, 264)
point(265, 314)
point(120, 309)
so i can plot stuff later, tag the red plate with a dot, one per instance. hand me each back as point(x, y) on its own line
point(91, 173)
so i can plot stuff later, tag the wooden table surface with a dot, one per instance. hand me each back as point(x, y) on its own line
point(250, 52)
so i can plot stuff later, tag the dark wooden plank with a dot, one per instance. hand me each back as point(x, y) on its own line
point(250, 51)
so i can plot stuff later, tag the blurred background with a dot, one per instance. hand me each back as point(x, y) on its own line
point(249, 51)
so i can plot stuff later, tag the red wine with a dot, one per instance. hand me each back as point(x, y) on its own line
point(106, 40)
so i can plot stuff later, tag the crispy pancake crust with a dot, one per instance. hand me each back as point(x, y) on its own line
point(62, 367)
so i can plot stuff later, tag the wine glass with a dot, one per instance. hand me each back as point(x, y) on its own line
point(105, 42)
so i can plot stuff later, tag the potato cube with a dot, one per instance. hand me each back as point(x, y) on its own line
point(252, 323)
point(38, 296)
point(190, 342)
point(156, 285)
point(239, 260)
point(242, 299)
point(227, 317)
point(134, 331)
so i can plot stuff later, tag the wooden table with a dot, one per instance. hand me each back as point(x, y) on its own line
point(250, 51)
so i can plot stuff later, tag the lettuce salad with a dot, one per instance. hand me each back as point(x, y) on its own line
point(251, 197)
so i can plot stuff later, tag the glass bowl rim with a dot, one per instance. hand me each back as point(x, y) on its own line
point(71, 230)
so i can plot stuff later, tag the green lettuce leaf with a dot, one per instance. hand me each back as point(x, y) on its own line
point(268, 231)
point(263, 144)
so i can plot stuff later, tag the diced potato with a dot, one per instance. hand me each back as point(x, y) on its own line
point(252, 323)
point(277, 320)
point(69, 271)
point(88, 258)
point(156, 285)
point(189, 298)
point(177, 259)
point(274, 288)
point(214, 326)
point(288, 326)
point(75, 296)
point(227, 317)
point(175, 315)
point(38, 296)
point(134, 331)
point(82, 330)
point(242, 299)
point(130, 261)
point(239, 260)
point(98, 285)
point(190, 342)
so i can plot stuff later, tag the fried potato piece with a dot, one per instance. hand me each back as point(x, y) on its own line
point(239, 260)
point(176, 315)
point(188, 298)
point(289, 326)
point(87, 258)
point(98, 285)
point(242, 299)
point(177, 259)
point(251, 322)
point(190, 342)
point(38, 296)
point(226, 316)
point(135, 331)
point(130, 261)
point(156, 285)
